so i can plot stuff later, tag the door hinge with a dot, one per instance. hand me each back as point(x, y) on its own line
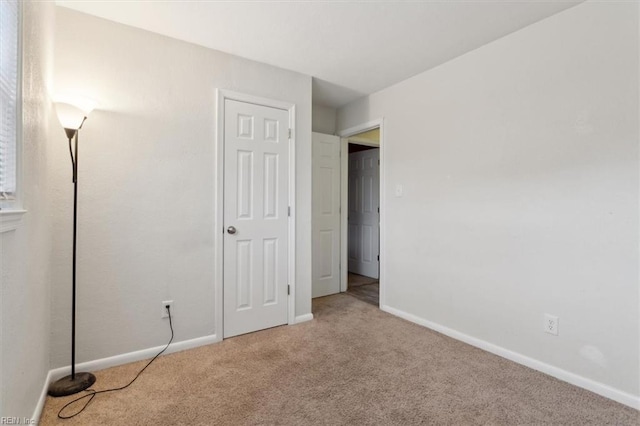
point(288, 289)
point(378, 258)
point(378, 209)
point(289, 133)
point(378, 162)
point(289, 211)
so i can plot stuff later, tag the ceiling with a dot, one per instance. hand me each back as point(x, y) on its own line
point(351, 47)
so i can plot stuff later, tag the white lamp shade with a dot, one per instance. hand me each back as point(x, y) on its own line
point(70, 116)
point(71, 112)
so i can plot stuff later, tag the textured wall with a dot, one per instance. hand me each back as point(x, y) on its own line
point(147, 171)
point(25, 285)
point(519, 162)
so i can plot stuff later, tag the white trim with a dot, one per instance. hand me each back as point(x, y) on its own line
point(10, 219)
point(225, 94)
point(344, 222)
point(361, 128)
point(114, 361)
point(218, 225)
point(292, 216)
point(221, 96)
point(37, 412)
point(345, 134)
point(607, 391)
point(303, 318)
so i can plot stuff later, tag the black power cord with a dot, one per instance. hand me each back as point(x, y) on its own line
point(92, 393)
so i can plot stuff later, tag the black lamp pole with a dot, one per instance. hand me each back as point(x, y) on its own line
point(73, 273)
point(73, 383)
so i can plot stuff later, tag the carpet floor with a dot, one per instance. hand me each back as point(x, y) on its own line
point(353, 364)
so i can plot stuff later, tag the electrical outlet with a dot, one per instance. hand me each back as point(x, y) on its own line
point(165, 314)
point(551, 324)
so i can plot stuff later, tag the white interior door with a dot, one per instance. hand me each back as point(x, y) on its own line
point(364, 214)
point(256, 182)
point(326, 215)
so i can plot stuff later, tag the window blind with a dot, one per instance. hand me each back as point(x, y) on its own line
point(9, 26)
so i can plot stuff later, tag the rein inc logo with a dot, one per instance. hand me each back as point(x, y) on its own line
point(17, 421)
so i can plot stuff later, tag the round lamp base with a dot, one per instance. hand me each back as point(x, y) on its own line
point(66, 386)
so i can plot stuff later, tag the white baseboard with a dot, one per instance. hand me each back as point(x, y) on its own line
point(113, 361)
point(607, 391)
point(43, 396)
point(303, 318)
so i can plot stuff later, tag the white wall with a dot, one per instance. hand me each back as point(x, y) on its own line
point(146, 179)
point(519, 162)
point(24, 252)
point(323, 119)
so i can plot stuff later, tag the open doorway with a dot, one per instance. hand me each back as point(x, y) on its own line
point(363, 216)
point(333, 269)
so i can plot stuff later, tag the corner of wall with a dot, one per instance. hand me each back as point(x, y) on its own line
point(323, 119)
point(25, 253)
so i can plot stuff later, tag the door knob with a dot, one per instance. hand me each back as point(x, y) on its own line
point(231, 230)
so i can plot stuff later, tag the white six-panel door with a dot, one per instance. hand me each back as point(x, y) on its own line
point(325, 215)
point(256, 182)
point(364, 215)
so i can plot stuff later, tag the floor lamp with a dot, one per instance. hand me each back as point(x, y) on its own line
point(72, 116)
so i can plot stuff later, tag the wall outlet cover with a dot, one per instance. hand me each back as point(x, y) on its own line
point(551, 324)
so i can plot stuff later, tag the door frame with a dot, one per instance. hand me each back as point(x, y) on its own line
point(218, 202)
point(344, 188)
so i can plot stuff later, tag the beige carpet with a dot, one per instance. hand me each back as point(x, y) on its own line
point(353, 364)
